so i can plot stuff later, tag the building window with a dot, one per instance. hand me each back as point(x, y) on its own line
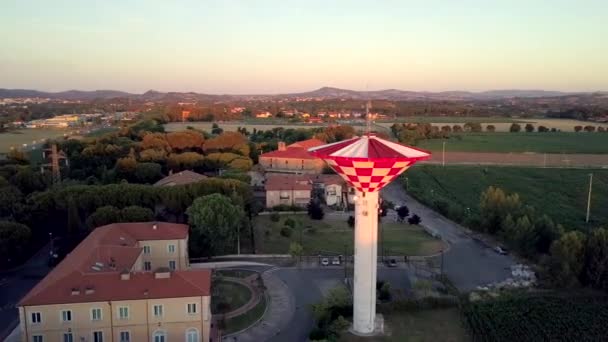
point(125, 336)
point(160, 336)
point(192, 308)
point(97, 336)
point(123, 312)
point(96, 314)
point(284, 195)
point(172, 265)
point(66, 315)
point(147, 266)
point(158, 310)
point(36, 318)
point(37, 338)
point(192, 335)
point(147, 249)
point(171, 248)
point(68, 337)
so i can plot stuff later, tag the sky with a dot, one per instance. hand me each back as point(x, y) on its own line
point(259, 46)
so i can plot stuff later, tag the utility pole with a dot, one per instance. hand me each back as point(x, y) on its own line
point(443, 156)
point(589, 197)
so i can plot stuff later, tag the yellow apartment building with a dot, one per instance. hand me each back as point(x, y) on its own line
point(125, 282)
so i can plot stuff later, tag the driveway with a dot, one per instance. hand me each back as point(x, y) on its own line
point(468, 263)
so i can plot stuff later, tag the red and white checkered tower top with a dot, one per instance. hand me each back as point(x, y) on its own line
point(367, 162)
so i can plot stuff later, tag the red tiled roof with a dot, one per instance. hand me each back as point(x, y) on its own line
point(310, 143)
point(109, 286)
point(298, 150)
point(288, 182)
point(290, 153)
point(181, 178)
point(98, 260)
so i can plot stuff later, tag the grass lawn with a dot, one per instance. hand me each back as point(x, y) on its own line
point(422, 326)
point(245, 320)
point(559, 193)
point(228, 296)
point(558, 142)
point(452, 119)
point(332, 234)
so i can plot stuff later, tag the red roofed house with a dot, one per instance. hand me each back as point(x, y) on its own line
point(293, 158)
point(287, 190)
point(124, 282)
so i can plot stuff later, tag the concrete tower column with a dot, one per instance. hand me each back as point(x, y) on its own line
point(366, 255)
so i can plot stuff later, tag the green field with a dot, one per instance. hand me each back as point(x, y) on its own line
point(548, 317)
point(247, 319)
point(421, 326)
point(16, 138)
point(332, 235)
point(556, 142)
point(559, 193)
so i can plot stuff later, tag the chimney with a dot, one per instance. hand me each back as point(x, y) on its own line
point(162, 273)
point(282, 146)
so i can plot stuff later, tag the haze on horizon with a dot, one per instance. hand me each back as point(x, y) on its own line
point(255, 47)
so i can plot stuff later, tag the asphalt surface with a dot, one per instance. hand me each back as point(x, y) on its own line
point(468, 263)
point(309, 286)
point(15, 284)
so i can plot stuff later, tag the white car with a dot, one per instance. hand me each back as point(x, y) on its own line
point(325, 261)
point(335, 261)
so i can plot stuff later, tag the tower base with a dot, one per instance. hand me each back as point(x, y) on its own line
point(378, 328)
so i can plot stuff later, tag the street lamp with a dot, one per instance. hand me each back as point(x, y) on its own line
point(51, 238)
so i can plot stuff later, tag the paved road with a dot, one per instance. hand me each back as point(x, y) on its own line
point(308, 286)
point(468, 263)
point(14, 285)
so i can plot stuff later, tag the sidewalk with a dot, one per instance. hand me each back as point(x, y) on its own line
point(280, 309)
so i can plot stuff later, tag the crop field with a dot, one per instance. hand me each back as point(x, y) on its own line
point(16, 138)
point(556, 142)
point(538, 318)
point(559, 193)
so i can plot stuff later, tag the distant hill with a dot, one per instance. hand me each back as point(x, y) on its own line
point(325, 92)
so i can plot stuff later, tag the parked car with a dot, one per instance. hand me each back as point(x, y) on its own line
point(392, 263)
point(325, 261)
point(335, 261)
point(501, 250)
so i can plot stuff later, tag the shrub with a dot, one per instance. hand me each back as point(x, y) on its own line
point(351, 221)
point(515, 128)
point(315, 211)
point(415, 219)
point(291, 223)
point(274, 217)
point(286, 207)
point(385, 292)
point(267, 233)
point(286, 232)
point(529, 128)
point(403, 212)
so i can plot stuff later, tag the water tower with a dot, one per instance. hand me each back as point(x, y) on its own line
point(367, 163)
